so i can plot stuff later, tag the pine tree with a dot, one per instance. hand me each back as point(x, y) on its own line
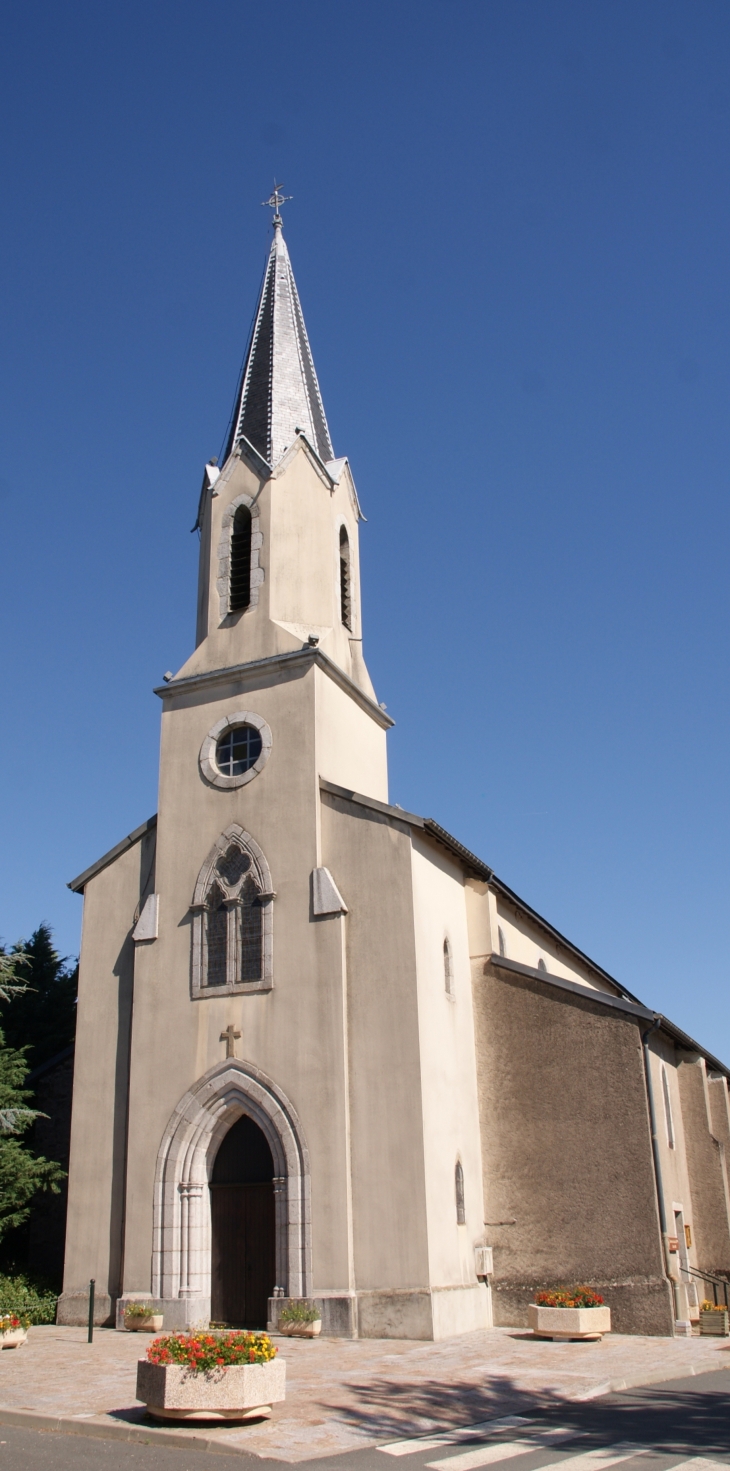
point(42, 1017)
point(22, 1173)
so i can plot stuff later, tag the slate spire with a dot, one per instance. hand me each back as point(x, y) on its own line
point(278, 392)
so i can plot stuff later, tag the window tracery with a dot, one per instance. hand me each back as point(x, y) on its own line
point(232, 918)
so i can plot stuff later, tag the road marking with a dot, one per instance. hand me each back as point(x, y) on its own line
point(700, 1463)
point(607, 1455)
point(589, 1461)
point(453, 1437)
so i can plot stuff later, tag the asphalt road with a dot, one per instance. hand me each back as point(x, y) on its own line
point(654, 1429)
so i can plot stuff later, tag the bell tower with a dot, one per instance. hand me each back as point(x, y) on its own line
point(279, 520)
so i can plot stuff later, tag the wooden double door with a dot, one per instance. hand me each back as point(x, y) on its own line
point(243, 1260)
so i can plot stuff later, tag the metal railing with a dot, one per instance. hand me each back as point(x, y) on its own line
point(715, 1283)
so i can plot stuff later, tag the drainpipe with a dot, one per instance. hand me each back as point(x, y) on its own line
point(657, 1162)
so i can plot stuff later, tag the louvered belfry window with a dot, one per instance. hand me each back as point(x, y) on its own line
point(239, 595)
point(345, 596)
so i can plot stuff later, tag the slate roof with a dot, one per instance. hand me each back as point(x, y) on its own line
point(278, 392)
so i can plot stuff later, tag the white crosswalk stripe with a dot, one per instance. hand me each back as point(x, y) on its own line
point(486, 1455)
point(698, 1463)
point(454, 1437)
point(607, 1455)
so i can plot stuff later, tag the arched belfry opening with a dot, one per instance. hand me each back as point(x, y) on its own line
point(234, 1133)
point(243, 1228)
point(240, 573)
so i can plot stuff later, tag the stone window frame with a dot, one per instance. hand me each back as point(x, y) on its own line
point(224, 557)
point(209, 878)
point(208, 763)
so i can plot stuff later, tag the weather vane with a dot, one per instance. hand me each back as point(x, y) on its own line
point(275, 202)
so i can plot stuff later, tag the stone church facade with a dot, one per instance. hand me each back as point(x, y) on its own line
point(322, 1050)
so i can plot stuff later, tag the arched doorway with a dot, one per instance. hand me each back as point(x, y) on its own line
point(243, 1254)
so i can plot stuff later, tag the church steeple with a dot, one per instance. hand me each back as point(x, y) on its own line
point(278, 392)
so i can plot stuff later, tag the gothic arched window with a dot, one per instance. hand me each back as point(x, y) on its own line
point(541, 965)
point(448, 969)
point(232, 918)
point(239, 592)
point(459, 1184)
point(345, 579)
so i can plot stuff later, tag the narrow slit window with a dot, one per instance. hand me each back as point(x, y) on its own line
point(541, 965)
point(345, 579)
point(239, 595)
point(500, 937)
point(667, 1108)
point(459, 1184)
point(448, 969)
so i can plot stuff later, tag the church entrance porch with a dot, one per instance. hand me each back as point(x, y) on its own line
point(243, 1254)
point(231, 1208)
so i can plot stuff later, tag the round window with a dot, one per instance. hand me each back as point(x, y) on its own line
point(238, 750)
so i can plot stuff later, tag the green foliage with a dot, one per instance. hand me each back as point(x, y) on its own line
point(142, 1310)
point(31, 1301)
point(299, 1312)
point(42, 1012)
point(22, 1173)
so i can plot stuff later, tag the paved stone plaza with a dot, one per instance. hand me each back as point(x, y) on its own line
point(343, 1394)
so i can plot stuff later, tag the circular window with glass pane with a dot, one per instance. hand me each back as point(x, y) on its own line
point(238, 750)
point(235, 750)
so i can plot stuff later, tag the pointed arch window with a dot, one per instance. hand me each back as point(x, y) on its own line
point(448, 969)
point(345, 579)
point(232, 918)
point(239, 592)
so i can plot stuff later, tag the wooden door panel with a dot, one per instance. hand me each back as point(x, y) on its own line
point(242, 1256)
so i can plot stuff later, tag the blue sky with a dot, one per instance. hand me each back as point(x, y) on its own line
point(510, 236)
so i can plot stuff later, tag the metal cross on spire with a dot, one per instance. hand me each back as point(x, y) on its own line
point(275, 202)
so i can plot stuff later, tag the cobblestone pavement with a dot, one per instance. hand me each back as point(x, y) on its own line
point(342, 1395)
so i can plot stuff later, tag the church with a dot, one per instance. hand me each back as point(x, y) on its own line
point(323, 1050)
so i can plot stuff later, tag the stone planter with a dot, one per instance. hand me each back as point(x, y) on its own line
point(13, 1338)
point(234, 1392)
point(566, 1323)
point(144, 1325)
point(301, 1330)
point(716, 1325)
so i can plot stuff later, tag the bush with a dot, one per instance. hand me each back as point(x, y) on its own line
point(32, 1300)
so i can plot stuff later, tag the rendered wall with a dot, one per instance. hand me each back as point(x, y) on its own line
point(705, 1162)
point(98, 1123)
point(370, 858)
point(450, 1099)
point(567, 1152)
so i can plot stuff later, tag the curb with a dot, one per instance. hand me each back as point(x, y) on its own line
point(102, 1429)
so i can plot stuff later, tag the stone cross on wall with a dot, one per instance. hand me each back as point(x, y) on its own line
point(230, 1037)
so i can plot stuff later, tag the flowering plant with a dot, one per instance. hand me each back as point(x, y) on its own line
point(713, 1307)
point(202, 1352)
point(142, 1310)
point(300, 1312)
point(569, 1297)
point(10, 1321)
